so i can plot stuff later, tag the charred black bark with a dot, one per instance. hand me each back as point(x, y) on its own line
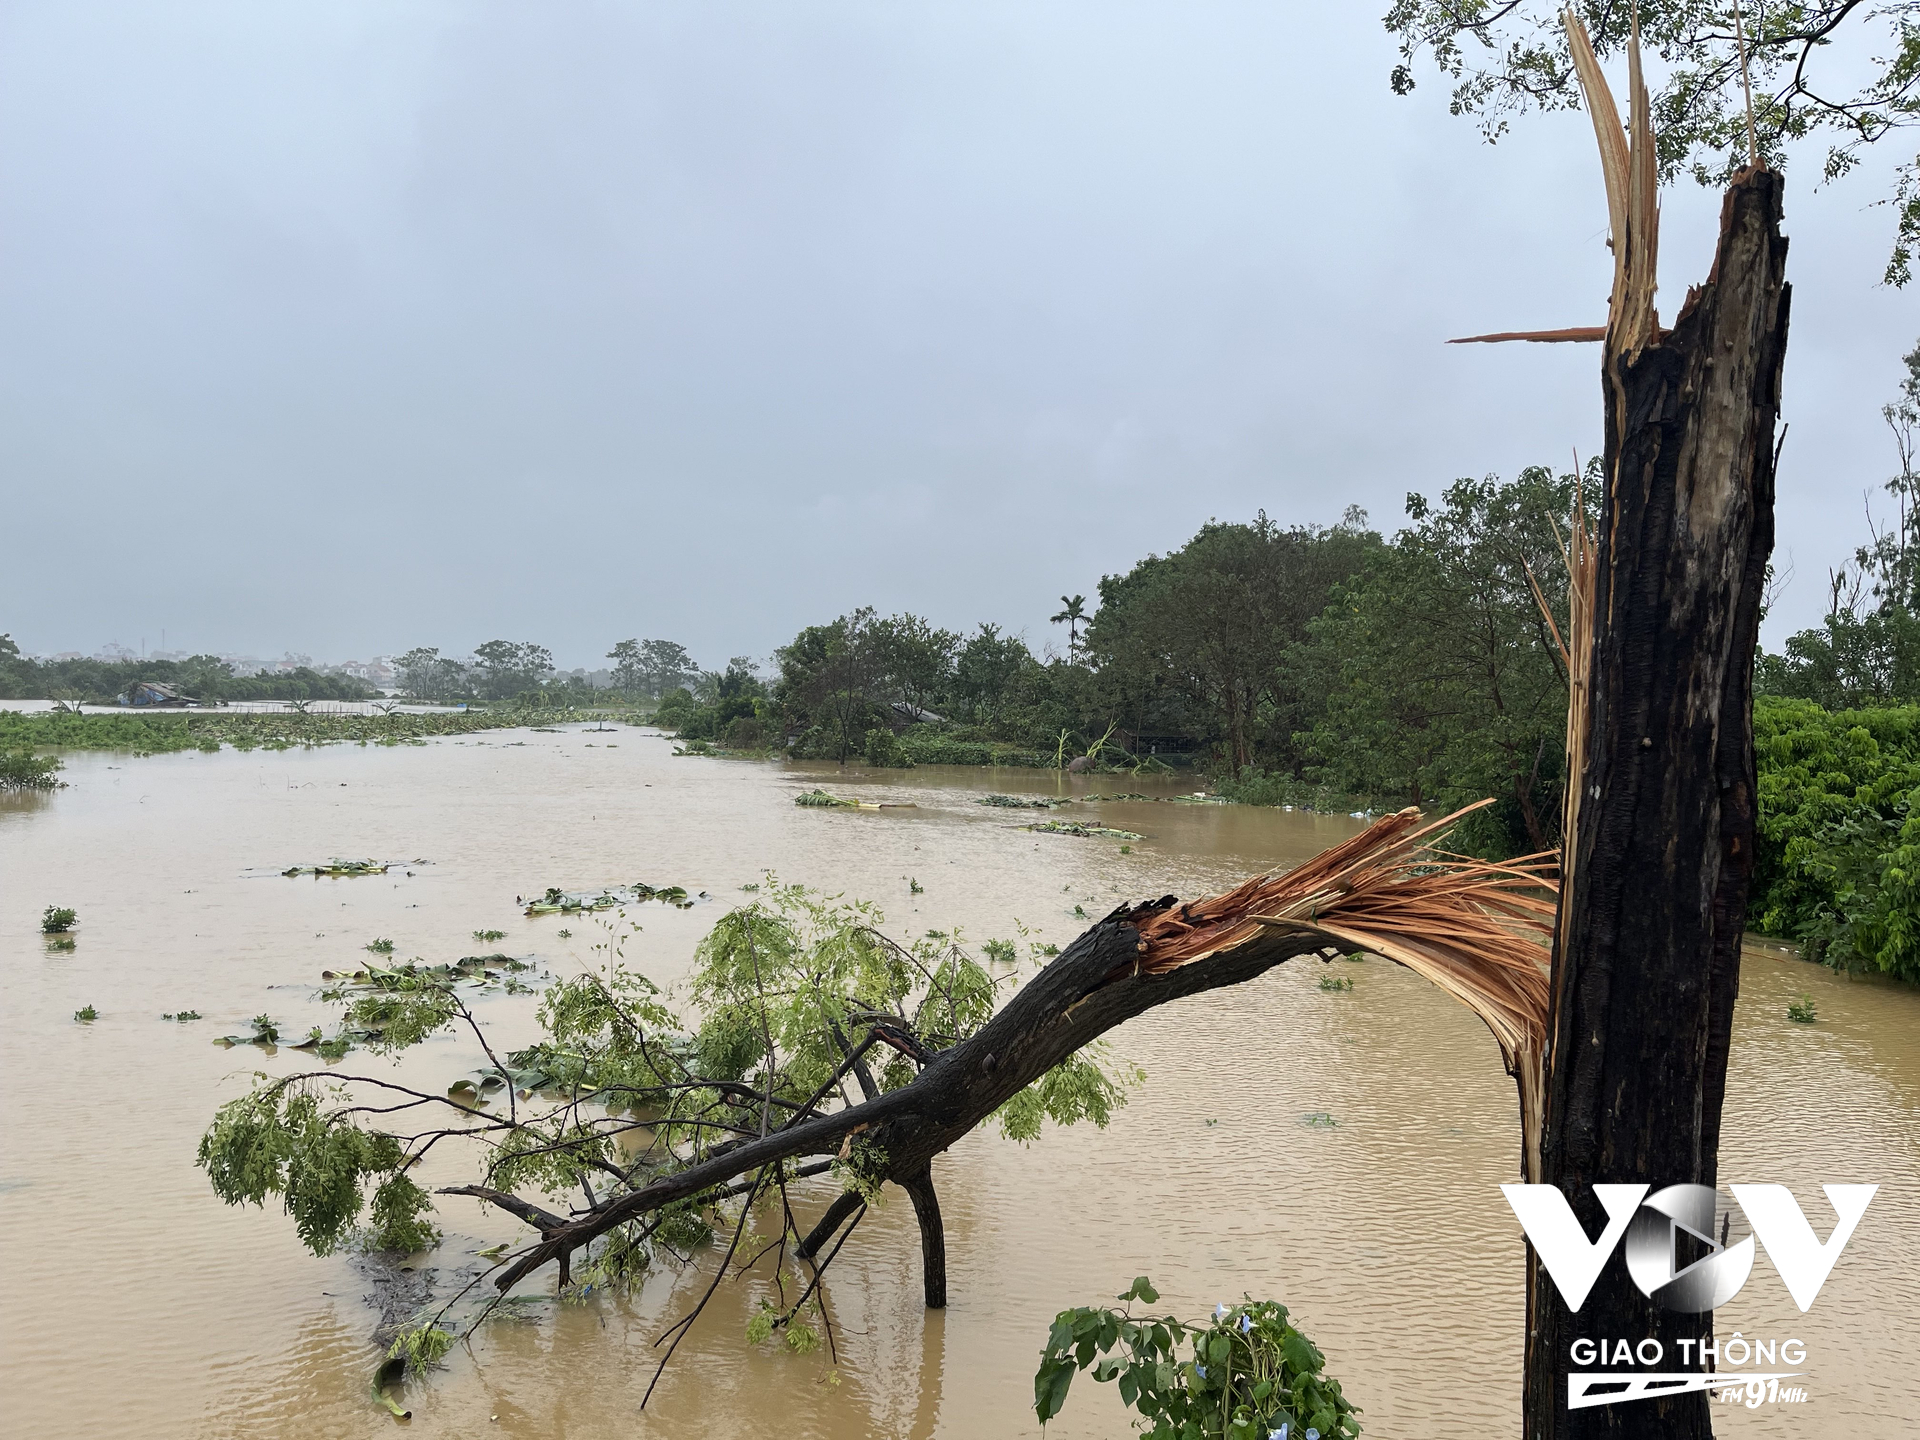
point(1656, 895)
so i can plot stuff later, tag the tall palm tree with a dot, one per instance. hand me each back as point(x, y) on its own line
point(1073, 617)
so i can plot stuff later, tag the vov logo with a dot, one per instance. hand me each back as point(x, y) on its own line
point(1652, 1225)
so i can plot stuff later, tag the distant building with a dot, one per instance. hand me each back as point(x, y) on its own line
point(147, 693)
point(905, 713)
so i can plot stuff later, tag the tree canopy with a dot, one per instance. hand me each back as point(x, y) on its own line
point(1840, 71)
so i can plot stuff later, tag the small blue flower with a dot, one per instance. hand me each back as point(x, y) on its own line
point(1201, 1371)
point(1281, 1433)
point(1246, 1324)
point(1219, 1313)
point(1313, 1435)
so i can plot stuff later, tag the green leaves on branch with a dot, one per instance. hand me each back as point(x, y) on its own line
point(395, 1019)
point(1246, 1375)
point(278, 1141)
point(1817, 67)
point(1078, 1088)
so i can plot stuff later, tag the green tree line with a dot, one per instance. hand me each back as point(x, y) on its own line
point(204, 677)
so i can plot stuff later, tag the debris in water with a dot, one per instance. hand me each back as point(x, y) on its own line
point(1031, 802)
point(820, 799)
point(570, 902)
point(388, 1375)
point(337, 866)
point(483, 969)
point(266, 1031)
point(1068, 827)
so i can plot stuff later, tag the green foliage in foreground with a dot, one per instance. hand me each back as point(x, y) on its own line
point(1246, 1375)
point(24, 770)
point(1837, 864)
point(157, 734)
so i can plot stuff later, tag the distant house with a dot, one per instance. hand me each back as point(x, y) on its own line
point(905, 713)
point(153, 693)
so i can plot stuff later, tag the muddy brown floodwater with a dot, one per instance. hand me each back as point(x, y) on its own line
point(137, 1304)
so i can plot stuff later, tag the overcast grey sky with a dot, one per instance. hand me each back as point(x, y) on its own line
point(345, 327)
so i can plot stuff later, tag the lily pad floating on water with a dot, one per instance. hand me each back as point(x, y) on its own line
point(338, 866)
point(1067, 827)
point(569, 902)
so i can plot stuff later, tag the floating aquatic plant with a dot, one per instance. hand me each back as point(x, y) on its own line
point(572, 902)
point(337, 866)
point(1068, 827)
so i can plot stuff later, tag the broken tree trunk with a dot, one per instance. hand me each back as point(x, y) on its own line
point(1659, 859)
point(1096, 983)
point(1473, 928)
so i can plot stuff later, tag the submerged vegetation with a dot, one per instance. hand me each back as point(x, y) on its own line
point(340, 867)
point(555, 901)
point(57, 920)
point(796, 1004)
point(1068, 827)
point(23, 770)
point(169, 732)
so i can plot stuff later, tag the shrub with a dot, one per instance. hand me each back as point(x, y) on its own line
point(57, 920)
point(883, 750)
point(926, 747)
point(23, 770)
point(1837, 855)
